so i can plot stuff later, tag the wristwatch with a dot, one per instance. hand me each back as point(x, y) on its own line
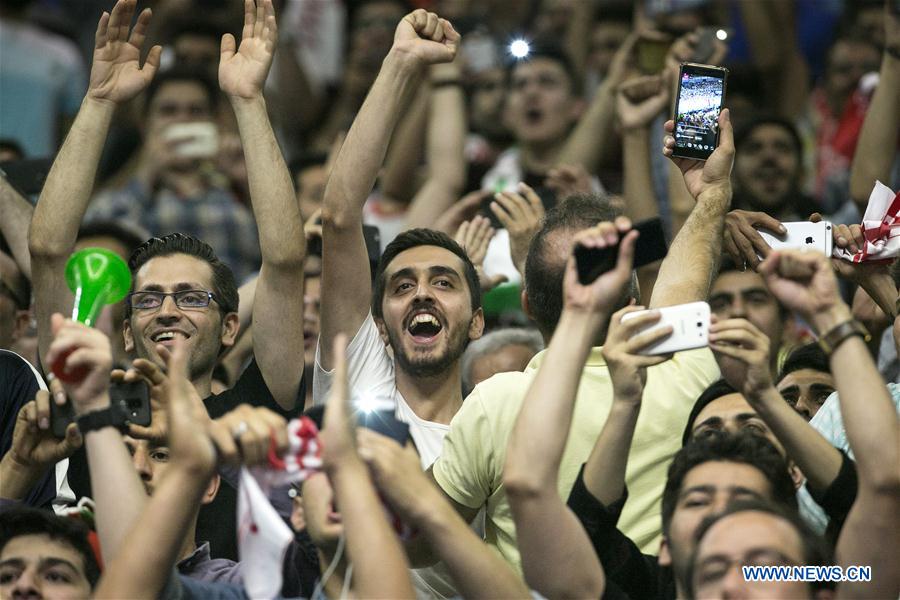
point(100, 419)
point(838, 334)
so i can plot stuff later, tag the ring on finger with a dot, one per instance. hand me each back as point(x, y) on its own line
point(239, 429)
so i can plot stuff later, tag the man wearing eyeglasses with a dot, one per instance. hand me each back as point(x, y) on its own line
point(163, 269)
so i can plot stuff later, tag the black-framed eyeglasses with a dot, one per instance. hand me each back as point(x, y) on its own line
point(184, 299)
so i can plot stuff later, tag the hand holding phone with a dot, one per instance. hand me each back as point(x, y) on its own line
point(801, 235)
point(650, 247)
point(689, 324)
point(701, 92)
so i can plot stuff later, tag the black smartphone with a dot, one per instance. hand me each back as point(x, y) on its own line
point(131, 400)
point(60, 417)
point(701, 91)
point(384, 422)
point(650, 247)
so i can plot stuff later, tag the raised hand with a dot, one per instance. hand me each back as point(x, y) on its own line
point(743, 242)
point(464, 209)
point(34, 449)
point(627, 368)
point(426, 38)
point(398, 474)
point(337, 435)
point(83, 349)
point(187, 424)
point(565, 181)
point(243, 70)
point(639, 100)
point(245, 434)
point(521, 214)
point(475, 236)
point(116, 72)
point(715, 172)
point(742, 351)
point(805, 283)
point(608, 290)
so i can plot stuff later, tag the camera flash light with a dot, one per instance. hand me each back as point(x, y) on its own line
point(722, 34)
point(519, 48)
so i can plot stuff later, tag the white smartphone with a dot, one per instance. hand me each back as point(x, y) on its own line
point(690, 328)
point(801, 235)
point(196, 140)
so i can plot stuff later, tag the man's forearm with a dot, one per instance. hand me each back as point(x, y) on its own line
point(819, 460)
point(277, 314)
point(549, 404)
point(67, 191)
point(15, 219)
point(380, 569)
point(687, 271)
point(640, 197)
point(60, 209)
point(155, 536)
point(363, 151)
point(882, 290)
point(604, 472)
point(117, 490)
point(876, 148)
point(869, 416)
point(477, 571)
point(275, 208)
point(592, 140)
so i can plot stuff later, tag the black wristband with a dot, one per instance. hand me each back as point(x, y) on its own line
point(100, 419)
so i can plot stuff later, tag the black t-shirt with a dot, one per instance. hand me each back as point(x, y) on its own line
point(19, 382)
point(216, 523)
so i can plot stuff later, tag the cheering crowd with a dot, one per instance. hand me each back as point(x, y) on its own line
point(369, 362)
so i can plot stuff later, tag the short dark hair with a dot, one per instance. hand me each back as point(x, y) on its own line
point(182, 74)
point(423, 237)
point(548, 50)
point(716, 390)
point(21, 521)
point(752, 124)
point(742, 447)
point(543, 273)
point(223, 283)
point(305, 161)
point(195, 25)
point(125, 235)
point(807, 356)
point(816, 551)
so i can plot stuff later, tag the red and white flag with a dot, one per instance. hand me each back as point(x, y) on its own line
point(881, 228)
point(263, 536)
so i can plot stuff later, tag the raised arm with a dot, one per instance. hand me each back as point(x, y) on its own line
point(118, 493)
point(557, 556)
point(278, 306)
point(421, 39)
point(877, 145)
point(804, 282)
point(116, 77)
point(15, 219)
point(687, 271)
point(477, 571)
point(142, 567)
point(743, 354)
point(379, 564)
point(445, 147)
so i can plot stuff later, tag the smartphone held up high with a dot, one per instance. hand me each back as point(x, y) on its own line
point(701, 91)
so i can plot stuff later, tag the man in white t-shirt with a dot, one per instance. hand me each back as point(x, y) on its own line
point(408, 343)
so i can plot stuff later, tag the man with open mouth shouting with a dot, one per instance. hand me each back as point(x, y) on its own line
point(426, 304)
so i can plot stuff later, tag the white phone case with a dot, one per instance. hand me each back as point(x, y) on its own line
point(801, 235)
point(690, 328)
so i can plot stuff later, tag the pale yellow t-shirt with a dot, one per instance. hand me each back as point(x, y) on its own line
point(470, 467)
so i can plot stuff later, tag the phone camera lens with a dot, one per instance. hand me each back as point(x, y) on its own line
point(699, 324)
